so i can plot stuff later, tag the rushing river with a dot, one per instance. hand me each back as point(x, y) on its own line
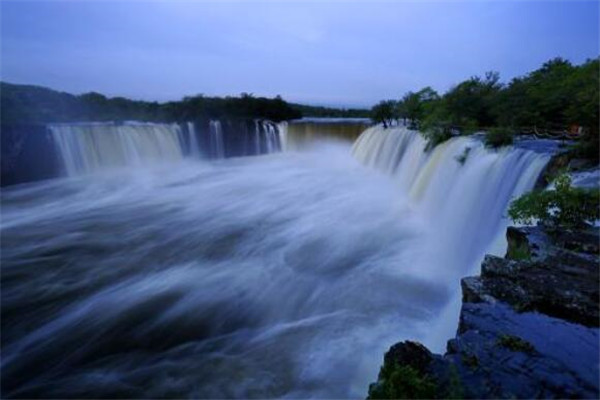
point(287, 274)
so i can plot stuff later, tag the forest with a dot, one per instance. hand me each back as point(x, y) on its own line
point(557, 97)
point(35, 104)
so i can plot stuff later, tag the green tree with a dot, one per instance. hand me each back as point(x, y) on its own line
point(498, 137)
point(565, 206)
point(416, 105)
point(470, 104)
point(384, 112)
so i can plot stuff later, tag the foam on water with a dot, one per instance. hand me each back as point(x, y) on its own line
point(282, 275)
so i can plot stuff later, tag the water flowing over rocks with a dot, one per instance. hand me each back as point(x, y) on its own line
point(528, 327)
point(37, 151)
point(32, 152)
point(214, 279)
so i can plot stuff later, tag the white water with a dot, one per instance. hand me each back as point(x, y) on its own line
point(87, 148)
point(193, 140)
point(218, 145)
point(464, 203)
point(283, 275)
point(469, 199)
point(302, 134)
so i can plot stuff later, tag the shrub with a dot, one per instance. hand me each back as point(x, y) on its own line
point(565, 206)
point(468, 127)
point(587, 147)
point(436, 136)
point(498, 137)
point(515, 343)
point(403, 382)
point(436, 128)
point(463, 157)
point(384, 112)
point(518, 251)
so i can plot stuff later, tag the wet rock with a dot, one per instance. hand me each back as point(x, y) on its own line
point(539, 243)
point(528, 325)
point(550, 357)
point(409, 353)
point(406, 373)
point(557, 163)
point(579, 164)
point(567, 288)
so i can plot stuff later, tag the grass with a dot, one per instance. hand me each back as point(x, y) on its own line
point(515, 343)
point(402, 382)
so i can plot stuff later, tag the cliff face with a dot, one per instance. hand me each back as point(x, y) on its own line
point(528, 328)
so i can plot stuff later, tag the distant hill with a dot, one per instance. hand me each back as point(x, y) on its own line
point(36, 104)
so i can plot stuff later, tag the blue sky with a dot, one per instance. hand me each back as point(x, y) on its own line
point(347, 53)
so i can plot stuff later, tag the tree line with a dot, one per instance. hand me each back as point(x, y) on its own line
point(34, 104)
point(557, 96)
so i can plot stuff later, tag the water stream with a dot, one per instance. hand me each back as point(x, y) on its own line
point(287, 274)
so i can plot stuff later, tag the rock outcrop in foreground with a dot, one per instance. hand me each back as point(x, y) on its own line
point(528, 328)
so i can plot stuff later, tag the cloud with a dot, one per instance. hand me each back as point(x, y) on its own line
point(345, 52)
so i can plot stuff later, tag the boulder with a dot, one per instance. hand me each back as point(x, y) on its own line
point(528, 327)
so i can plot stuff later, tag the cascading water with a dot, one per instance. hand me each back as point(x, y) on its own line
point(86, 148)
point(303, 133)
point(462, 186)
point(216, 135)
point(462, 189)
point(193, 140)
point(253, 277)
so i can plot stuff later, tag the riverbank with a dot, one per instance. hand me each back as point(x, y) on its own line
point(528, 327)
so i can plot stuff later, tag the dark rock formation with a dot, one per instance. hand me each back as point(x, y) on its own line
point(27, 153)
point(528, 326)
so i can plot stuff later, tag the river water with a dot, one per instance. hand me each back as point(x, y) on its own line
point(281, 275)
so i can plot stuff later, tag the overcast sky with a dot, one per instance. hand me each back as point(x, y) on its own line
point(346, 53)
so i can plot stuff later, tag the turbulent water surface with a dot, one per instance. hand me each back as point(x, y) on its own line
point(286, 274)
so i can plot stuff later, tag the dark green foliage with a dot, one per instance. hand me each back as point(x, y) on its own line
point(436, 127)
point(463, 157)
point(402, 382)
point(515, 343)
point(455, 386)
point(384, 113)
point(415, 106)
point(24, 103)
point(317, 111)
point(518, 251)
point(587, 147)
point(558, 96)
point(436, 135)
point(565, 206)
point(470, 103)
point(498, 137)
point(33, 104)
point(470, 360)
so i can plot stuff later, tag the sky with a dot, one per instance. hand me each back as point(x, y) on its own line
point(337, 53)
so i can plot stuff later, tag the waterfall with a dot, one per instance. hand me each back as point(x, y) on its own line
point(302, 133)
point(218, 146)
point(86, 148)
point(267, 137)
point(256, 137)
point(292, 273)
point(282, 128)
point(272, 138)
point(193, 140)
point(460, 185)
